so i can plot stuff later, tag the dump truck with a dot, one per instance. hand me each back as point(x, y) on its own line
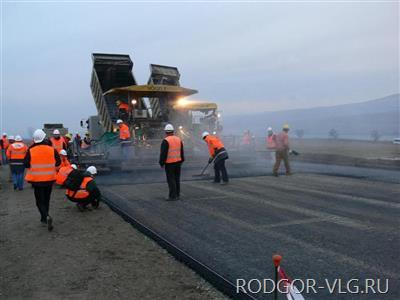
point(151, 106)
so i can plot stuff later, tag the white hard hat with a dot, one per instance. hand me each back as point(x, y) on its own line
point(119, 121)
point(73, 166)
point(56, 131)
point(92, 170)
point(39, 135)
point(205, 133)
point(11, 137)
point(269, 129)
point(4, 134)
point(168, 127)
point(63, 152)
point(18, 138)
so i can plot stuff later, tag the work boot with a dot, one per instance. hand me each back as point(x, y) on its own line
point(80, 207)
point(49, 223)
point(15, 187)
point(171, 199)
point(275, 174)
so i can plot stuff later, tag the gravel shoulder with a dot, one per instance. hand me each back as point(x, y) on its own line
point(90, 255)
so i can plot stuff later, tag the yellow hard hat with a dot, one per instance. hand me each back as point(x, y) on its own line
point(286, 126)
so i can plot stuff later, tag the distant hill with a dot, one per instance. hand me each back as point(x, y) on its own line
point(355, 120)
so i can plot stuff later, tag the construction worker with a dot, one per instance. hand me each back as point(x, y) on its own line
point(218, 155)
point(64, 158)
point(69, 143)
point(123, 110)
point(88, 192)
point(3, 146)
point(15, 154)
point(63, 173)
point(124, 138)
point(282, 150)
point(87, 141)
point(78, 140)
point(41, 160)
point(171, 159)
point(271, 144)
point(57, 141)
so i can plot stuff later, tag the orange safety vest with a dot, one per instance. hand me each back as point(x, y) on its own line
point(82, 193)
point(42, 164)
point(124, 133)
point(174, 149)
point(271, 142)
point(17, 150)
point(6, 143)
point(64, 162)
point(63, 174)
point(123, 106)
point(58, 144)
point(213, 143)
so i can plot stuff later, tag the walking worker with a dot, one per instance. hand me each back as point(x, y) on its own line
point(88, 192)
point(171, 159)
point(15, 154)
point(124, 138)
point(4, 143)
point(41, 160)
point(218, 155)
point(271, 143)
point(282, 150)
point(57, 141)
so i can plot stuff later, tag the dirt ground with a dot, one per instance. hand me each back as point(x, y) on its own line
point(89, 255)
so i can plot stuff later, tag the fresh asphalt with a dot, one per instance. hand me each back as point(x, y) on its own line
point(328, 222)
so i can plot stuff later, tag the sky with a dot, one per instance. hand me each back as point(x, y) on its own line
point(247, 57)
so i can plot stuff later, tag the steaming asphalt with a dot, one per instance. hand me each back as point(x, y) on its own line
point(328, 222)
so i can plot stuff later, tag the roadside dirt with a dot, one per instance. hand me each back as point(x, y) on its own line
point(89, 255)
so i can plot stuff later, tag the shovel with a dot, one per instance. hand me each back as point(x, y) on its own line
point(204, 169)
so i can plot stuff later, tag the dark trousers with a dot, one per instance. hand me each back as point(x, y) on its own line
point(281, 155)
point(92, 199)
point(219, 169)
point(18, 180)
point(42, 195)
point(173, 172)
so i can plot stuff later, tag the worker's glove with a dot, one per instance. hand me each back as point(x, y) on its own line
point(210, 160)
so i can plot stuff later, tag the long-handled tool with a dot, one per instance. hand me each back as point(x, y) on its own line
point(209, 163)
point(204, 169)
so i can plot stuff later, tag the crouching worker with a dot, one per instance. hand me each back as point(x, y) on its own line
point(63, 173)
point(87, 191)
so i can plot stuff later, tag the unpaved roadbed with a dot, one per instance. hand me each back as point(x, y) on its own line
point(90, 255)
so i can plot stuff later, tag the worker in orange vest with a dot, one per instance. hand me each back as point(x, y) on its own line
point(218, 155)
point(57, 141)
point(4, 143)
point(282, 151)
point(64, 158)
point(63, 173)
point(124, 138)
point(171, 159)
point(15, 154)
point(88, 192)
point(41, 160)
point(271, 144)
point(123, 110)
